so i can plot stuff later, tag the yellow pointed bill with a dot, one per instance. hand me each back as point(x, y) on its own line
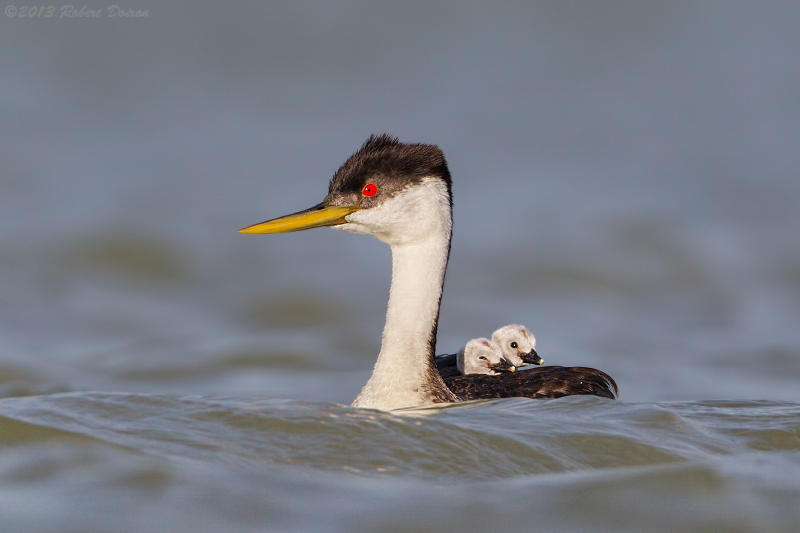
point(318, 216)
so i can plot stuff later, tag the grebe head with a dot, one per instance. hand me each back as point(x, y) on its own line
point(400, 193)
point(482, 356)
point(517, 344)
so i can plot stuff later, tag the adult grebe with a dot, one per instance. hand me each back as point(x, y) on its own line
point(401, 194)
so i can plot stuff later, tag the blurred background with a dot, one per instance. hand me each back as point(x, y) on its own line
point(625, 184)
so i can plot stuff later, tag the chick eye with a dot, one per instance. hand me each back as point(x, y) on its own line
point(513, 344)
point(370, 189)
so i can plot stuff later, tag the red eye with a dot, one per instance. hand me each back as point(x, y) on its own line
point(370, 189)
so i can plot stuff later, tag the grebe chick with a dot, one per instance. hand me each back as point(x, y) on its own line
point(482, 356)
point(517, 344)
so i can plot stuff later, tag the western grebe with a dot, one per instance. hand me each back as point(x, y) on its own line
point(482, 356)
point(401, 194)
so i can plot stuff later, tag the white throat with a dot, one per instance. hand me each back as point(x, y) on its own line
point(417, 224)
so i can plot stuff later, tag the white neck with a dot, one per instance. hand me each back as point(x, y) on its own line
point(405, 374)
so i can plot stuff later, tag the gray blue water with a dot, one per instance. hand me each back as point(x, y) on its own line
point(626, 182)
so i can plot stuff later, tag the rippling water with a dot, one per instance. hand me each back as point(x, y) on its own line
point(626, 183)
point(126, 462)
